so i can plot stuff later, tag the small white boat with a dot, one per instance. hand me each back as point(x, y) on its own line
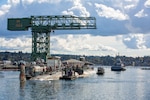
point(118, 66)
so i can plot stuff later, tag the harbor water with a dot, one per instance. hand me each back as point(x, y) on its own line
point(132, 84)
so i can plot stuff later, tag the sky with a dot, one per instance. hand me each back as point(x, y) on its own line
point(122, 26)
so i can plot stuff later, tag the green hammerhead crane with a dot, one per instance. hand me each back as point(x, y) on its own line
point(42, 26)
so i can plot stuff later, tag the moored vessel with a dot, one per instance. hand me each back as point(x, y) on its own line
point(118, 66)
point(55, 69)
point(100, 71)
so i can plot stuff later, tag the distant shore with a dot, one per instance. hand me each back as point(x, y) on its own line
point(9, 68)
point(97, 60)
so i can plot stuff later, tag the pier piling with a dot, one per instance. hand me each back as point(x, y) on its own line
point(22, 73)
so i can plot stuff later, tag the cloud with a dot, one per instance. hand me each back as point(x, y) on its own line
point(78, 44)
point(4, 9)
point(14, 2)
point(147, 4)
point(128, 7)
point(115, 13)
point(141, 14)
point(112, 17)
point(67, 12)
point(124, 5)
point(147, 39)
point(108, 12)
point(16, 44)
point(28, 2)
point(134, 41)
point(77, 9)
point(50, 1)
point(132, 28)
point(65, 44)
point(83, 44)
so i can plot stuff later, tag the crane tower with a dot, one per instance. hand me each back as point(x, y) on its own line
point(42, 26)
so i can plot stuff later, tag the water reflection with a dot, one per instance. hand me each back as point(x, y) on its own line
point(132, 84)
point(1, 75)
point(39, 90)
point(22, 84)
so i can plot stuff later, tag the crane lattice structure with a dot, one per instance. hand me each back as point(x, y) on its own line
point(42, 26)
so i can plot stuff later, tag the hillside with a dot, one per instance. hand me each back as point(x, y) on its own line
point(98, 60)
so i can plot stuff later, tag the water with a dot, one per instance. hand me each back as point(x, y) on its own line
point(132, 84)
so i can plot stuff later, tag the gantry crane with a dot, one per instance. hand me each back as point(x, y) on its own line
point(42, 26)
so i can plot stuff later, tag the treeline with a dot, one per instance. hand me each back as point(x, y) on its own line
point(98, 60)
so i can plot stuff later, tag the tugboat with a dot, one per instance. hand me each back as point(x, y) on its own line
point(100, 71)
point(118, 66)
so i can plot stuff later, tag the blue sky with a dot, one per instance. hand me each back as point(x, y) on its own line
point(122, 26)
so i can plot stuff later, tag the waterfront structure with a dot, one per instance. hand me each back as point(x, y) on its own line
point(42, 26)
point(73, 62)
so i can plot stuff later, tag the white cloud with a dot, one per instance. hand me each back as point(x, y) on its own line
point(147, 4)
point(4, 9)
point(28, 1)
point(67, 13)
point(16, 2)
point(80, 44)
point(132, 1)
point(49, 1)
point(84, 44)
point(17, 44)
point(134, 41)
point(125, 5)
point(13, 2)
point(128, 0)
point(108, 12)
point(141, 14)
point(128, 7)
point(147, 39)
point(65, 44)
point(131, 28)
point(77, 9)
point(118, 10)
